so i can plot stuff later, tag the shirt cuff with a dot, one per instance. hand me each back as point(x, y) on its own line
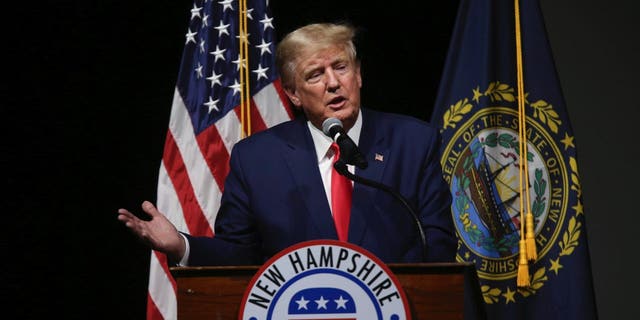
point(185, 258)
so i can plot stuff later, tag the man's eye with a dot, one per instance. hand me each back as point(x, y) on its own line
point(314, 77)
point(341, 68)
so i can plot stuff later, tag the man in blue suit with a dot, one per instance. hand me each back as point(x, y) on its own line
point(277, 191)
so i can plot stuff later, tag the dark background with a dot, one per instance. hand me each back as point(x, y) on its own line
point(86, 96)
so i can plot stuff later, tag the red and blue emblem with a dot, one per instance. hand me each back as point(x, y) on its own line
point(324, 279)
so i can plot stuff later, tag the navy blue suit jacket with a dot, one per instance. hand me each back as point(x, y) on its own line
point(274, 197)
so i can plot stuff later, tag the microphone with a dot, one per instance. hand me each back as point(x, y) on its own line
point(349, 151)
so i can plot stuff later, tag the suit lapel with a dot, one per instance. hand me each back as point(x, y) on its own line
point(373, 144)
point(303, 163)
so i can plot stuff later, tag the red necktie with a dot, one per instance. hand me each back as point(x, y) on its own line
point(341, 189)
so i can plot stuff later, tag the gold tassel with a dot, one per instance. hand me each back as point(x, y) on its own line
point(523, 267)
point(532, 253)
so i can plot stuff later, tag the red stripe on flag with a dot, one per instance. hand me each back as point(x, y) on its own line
point(196, 221)
point(257, 123)
point(165, 267)
point(215, 154)
point(153, 313)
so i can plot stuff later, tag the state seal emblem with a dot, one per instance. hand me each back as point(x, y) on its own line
point(480, 161)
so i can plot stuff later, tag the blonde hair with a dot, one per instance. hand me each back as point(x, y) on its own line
point(310, 38)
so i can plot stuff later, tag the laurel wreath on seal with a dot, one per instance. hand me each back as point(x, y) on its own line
point(497, 91)
point(543, 111)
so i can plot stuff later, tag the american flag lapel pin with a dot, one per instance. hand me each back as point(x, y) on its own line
point(379, 157)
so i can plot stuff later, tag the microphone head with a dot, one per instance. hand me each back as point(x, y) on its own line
point(330, 123)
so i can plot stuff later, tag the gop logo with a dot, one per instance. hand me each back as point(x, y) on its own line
point(324, 279)
point(322, 303)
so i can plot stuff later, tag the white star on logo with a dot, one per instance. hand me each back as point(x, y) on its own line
point(322, 303)
point(302, 303)
point(341, 303)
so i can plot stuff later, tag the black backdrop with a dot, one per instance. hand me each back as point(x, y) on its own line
point(86, 94)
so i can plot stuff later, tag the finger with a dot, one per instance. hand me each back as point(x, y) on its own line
point(129, 220)
point(124, 214)
point(150, 209)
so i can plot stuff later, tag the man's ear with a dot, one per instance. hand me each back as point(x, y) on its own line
point(293, 97)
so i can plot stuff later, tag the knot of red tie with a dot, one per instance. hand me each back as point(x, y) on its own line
point(341, 190)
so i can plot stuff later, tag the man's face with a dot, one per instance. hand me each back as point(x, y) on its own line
point(327, 84)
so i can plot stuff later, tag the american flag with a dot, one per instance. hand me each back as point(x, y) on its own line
point(208, 118)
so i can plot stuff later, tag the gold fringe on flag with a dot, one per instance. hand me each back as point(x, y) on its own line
point(245, 98)
point(527, 244)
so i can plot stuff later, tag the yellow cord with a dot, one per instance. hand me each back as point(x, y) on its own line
point(246, 91)
point(245, 100)
point(528, 244)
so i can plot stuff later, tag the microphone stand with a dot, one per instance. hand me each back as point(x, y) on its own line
point(341, 167)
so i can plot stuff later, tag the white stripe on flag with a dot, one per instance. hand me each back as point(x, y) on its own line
point(271, 108)
point(229, 130)
point(161, 290)
point(205, 187)
point(168, 202)
point(160, 287)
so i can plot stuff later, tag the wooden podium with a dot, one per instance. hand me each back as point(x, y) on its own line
point(434, 290)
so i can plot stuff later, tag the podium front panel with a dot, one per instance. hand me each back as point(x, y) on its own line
point(433, 290)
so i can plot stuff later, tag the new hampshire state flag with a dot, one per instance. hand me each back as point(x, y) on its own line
point(477, 109)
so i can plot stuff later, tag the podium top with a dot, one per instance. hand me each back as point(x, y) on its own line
point(406, 268)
